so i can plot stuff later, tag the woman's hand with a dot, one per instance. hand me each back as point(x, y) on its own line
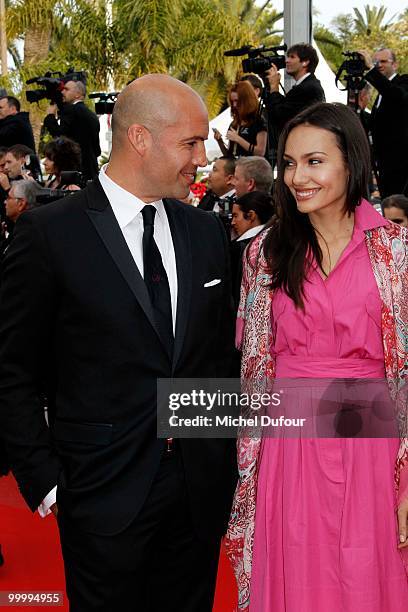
point(402, 523)
point(217, 134)
point(233, 135)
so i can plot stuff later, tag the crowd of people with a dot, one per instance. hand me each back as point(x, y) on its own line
point(122, 283)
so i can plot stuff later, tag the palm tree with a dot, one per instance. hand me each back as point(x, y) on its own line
point(372, 21)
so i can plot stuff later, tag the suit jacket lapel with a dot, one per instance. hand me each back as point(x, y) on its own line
point(182, 248)
point(104, 220)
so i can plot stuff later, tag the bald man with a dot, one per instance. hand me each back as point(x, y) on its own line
point(104, 293)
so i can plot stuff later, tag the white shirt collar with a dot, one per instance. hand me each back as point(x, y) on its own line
point(253, 231)
point(229, 193)
point(299, 81)
point(393, 76)
point(125, 205)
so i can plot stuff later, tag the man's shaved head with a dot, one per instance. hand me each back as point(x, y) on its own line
point(155, 101)
point(158, 131)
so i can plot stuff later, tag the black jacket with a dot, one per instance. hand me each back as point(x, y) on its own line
point(73, 296)
point(282, 108)
point(389, 129)
point(81, 125)
point(16, 129)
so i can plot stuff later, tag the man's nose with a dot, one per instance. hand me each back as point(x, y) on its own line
point(200, 155)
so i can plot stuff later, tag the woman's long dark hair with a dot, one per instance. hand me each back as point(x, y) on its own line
point(292, 239)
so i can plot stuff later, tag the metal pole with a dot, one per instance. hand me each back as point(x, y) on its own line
point(3, 38)
point(297, 26)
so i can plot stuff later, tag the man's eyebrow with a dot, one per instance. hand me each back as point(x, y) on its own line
point(307, 154)
point(194, 138)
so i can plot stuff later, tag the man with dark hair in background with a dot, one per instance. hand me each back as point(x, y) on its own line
point(301, 63)
point(14, 161)
point(15, 126)
point(78, 123)
point(389, 121)
point(220, 184)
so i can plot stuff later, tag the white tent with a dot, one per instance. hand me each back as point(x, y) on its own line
point(323, 72)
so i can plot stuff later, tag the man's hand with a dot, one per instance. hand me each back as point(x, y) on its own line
point(52, 109)
point(4, 181)
point(273, 77)
point(54, 510)
point(367, 59)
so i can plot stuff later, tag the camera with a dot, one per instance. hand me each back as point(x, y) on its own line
point(259, 59)
point(353, 68)
point(52, 84)
point(68, 177)
point(105, 102)
point(225, 213)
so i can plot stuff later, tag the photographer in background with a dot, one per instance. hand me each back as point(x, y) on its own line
point(21, 162)
point(389, 121)
point(61, 155)
point(301, 63)
point(220, 184)
point(78, 123)
point(15, 126)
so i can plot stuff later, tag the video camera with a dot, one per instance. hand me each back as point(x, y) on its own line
point(105, 103)
point(354, 69)
point(52, 84)
point(257, 61)
point(67, 178)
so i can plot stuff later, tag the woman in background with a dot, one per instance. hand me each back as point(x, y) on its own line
point(247, 133)
point(61, 155)
point(324, 294)
point(395, 208)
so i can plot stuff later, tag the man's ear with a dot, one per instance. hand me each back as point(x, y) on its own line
point(251, 185)
point(139, 137)
point(230, 179)
point(22, 205)
point(251, 215)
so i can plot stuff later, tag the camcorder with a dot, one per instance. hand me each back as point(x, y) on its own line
point(353, 69)
point(105, 103)
point(225, 212)
point(52, 84)
point(67, 178)
point(259, 59)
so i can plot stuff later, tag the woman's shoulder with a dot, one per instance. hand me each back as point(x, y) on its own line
point(255, 250)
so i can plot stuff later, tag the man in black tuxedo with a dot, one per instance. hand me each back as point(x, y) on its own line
point(78, 123)
point(220, 184)
point(389, 121)
point(103, 293)
point(301, 63)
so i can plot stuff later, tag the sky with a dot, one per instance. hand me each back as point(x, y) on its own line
point(330, 8)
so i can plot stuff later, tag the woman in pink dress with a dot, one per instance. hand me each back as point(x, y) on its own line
point(317, 523)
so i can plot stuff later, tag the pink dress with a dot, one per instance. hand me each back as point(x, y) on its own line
point(325, 526)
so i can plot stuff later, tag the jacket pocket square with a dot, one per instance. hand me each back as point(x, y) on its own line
point(216, 281)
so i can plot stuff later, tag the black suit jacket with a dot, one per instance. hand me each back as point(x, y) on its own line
point(282, 108)
point(16, 129)
point(389, 128)
point(74, 305)
point(81, 125)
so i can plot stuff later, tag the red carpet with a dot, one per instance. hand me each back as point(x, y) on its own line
point(33, 557)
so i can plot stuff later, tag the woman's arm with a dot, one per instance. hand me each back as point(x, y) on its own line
point(221, 143)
